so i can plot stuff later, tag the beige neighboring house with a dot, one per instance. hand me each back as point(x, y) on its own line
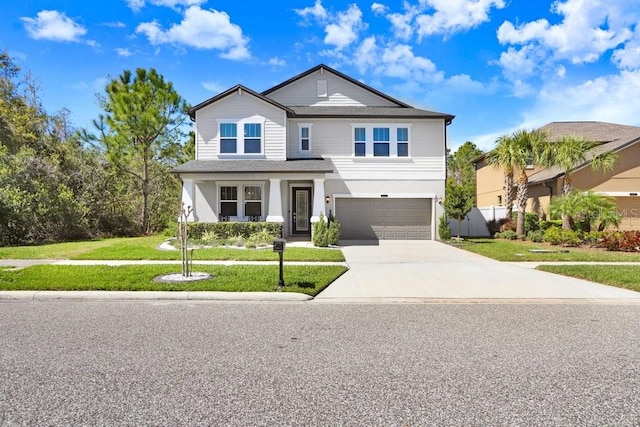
point(622, 184)
point(318, 143)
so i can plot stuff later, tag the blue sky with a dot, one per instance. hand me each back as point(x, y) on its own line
point(497, 65)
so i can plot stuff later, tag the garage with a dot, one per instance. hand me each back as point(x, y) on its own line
point(384, 218)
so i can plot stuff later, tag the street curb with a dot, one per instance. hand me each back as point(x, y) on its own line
point(150, 296)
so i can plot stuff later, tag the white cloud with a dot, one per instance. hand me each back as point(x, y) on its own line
point(136, 5)
point(55, 26)
point(453, 16)
point(201, 29)
point(344, 31)
point(378, 8)
point(587, 30)
point(316, 11)
point(275, 61)
point(214, 87)
point(395, 60)
point(123, 52)
point(612, 98)
point(628, 57)
point(341, 28)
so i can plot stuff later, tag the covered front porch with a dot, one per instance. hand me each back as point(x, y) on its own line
point(291, 193)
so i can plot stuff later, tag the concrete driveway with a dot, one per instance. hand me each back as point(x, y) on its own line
point(411, 270)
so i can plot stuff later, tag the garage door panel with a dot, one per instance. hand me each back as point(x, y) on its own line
point(385, 219)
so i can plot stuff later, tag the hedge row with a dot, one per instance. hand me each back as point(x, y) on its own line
point(227, 230)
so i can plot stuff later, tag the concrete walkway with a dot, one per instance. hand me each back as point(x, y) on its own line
point(427, 270)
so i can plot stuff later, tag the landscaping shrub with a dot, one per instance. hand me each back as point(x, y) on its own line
point(320, 233)
point(552, 235)
point(593, 238)
point(227, 230)
point(508, 225)
point(443, 228)
point(545, 225)
point(558, 236)
point(531, 222)
point(626, 241)
point(508, 235)
point(333, 232)
point(536, 236)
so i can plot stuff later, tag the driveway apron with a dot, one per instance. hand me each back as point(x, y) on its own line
point(429, 269)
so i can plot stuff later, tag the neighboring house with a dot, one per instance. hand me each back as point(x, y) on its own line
point(321, 142)
point(623, 183)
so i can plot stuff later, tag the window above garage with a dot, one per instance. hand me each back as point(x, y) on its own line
point(381, 140)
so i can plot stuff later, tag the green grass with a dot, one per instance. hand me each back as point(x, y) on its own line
point(307, 279)
point(513, 250)
point(145, 248)
point(621, 276)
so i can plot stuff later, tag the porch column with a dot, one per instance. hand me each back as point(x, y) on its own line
point(187, 198)
point(318, 200)
point(275, 201)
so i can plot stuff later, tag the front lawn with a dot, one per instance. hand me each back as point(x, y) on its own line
point(515, 250)
point(621, 276)
point(307, 279)
point(146, 248)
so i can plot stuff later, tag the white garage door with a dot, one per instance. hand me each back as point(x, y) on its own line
point(384, 219)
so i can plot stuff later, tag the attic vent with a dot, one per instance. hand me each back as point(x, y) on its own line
point(322, 88)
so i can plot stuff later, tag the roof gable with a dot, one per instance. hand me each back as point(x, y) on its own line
point(369, 92)
point(236, 89)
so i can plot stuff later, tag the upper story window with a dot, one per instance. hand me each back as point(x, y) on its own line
point(304, 133)
point(228, 137)
point(402, 138)
point(249, 142)
point(252, 138)
point(381, 142)
point(360, 141)
point(374, 140)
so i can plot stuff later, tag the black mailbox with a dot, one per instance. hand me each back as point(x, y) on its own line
point(278, 245)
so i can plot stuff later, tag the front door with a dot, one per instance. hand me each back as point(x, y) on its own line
point(301, 210)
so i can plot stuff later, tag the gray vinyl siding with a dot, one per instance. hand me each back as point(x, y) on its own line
point(303, 92)
point(236, 107)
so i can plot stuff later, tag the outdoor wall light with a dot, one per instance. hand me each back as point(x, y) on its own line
point(327, 199)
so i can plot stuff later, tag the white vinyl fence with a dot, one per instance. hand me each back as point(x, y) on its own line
point(475, 223)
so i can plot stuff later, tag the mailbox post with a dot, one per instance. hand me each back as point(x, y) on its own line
point(279, 246)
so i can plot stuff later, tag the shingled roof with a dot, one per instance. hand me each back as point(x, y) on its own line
point(612, 137)
point(256, 166)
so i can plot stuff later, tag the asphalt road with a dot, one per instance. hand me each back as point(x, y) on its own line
point(304, 364)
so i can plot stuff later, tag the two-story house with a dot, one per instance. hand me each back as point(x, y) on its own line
point(320, 142)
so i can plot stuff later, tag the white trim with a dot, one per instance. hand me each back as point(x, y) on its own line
point(240, 122)
point(308, 126)
point(369, 142)
point(240, 201)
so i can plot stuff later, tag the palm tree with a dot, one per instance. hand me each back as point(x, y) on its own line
point(503, 156)
point(512, 152)
point(587, 207)
point(530, 144)
point(570, 152)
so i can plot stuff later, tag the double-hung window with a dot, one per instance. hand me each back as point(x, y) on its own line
point(228, 138)
point(252, 138)
point(248, 141)
point(402, 138)
point(360, 141)
point(240, 202)
point(381, 142)
point(305, 137)
point(228, 202)
point(253, 202)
